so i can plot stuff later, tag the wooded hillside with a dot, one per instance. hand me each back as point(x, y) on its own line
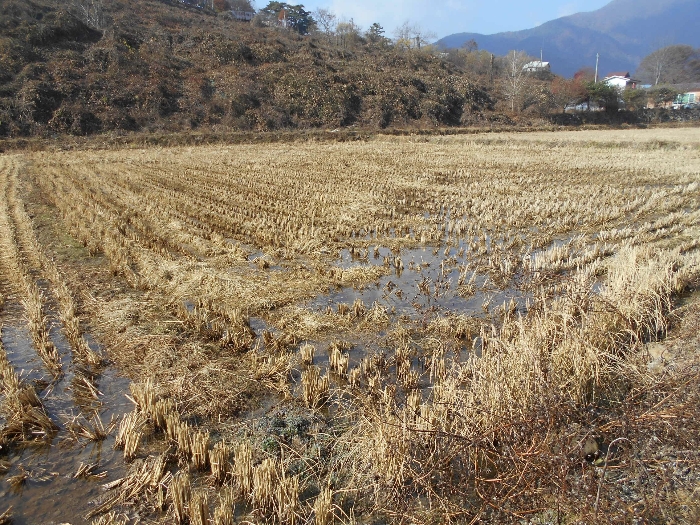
point(156, 66)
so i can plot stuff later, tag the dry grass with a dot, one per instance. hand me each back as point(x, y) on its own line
point(315, 387)
point(90, 430)
point(199, 508)
point(219, 460)
point(26, 260)
point(145, 479)
point(6, 517)
point(323, 507)
point(129, 434)
point(111, 518)
point(180, 493)
point(89, 470)
point(275, 495)
point(224, 514)
point(531, 406)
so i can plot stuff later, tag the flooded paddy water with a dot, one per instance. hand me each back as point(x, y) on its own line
point(439, 279)
point(419, 285)
point(42, 483)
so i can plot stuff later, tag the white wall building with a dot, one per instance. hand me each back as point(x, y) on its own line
point(536, 66)
point(621, 81)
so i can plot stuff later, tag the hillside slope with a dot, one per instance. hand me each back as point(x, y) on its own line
point(161, 66)
point(623, 32)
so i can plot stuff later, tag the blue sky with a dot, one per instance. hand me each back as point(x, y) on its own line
point(444, 17)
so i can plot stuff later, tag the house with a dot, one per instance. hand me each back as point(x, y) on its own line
point(536, 66)
point(282, 19)
point(243, 15)
point(621, 80)
point(689, 95)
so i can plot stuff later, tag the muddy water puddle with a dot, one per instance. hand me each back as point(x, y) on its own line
point(40, 484)
point(421, 281)
point(418, 286)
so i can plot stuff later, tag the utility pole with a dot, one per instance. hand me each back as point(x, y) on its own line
point(596, 68)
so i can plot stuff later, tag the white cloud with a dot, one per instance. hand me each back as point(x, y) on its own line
point(439, 16)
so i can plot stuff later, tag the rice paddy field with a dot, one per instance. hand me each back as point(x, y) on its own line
point(494, 328)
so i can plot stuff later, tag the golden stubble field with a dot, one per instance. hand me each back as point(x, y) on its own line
point(410, 329)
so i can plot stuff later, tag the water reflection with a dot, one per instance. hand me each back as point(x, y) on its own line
point(39, 480)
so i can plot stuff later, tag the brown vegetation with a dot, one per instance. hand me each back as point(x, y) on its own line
point(537, 401)
point(171, 68)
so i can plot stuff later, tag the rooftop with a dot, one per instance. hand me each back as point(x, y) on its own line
point(621, 74)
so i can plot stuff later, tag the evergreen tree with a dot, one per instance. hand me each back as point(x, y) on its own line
point(295, 16)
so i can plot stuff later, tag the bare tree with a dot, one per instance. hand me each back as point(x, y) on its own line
point(402, 36)
point(90, 11)
point(412, 36)
point(422, 37)
point(326, 21)
point(669, 65)
point(470, 46)
point(514, 76)
point(347, 33)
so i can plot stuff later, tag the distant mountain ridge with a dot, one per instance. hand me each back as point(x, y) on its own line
point(622, 32)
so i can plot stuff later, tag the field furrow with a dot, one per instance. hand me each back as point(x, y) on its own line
point(19, 264)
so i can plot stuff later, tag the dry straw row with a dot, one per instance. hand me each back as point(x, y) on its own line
point(17, 269)
point(198, 189)
point(130, 256)
point(265, 486)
